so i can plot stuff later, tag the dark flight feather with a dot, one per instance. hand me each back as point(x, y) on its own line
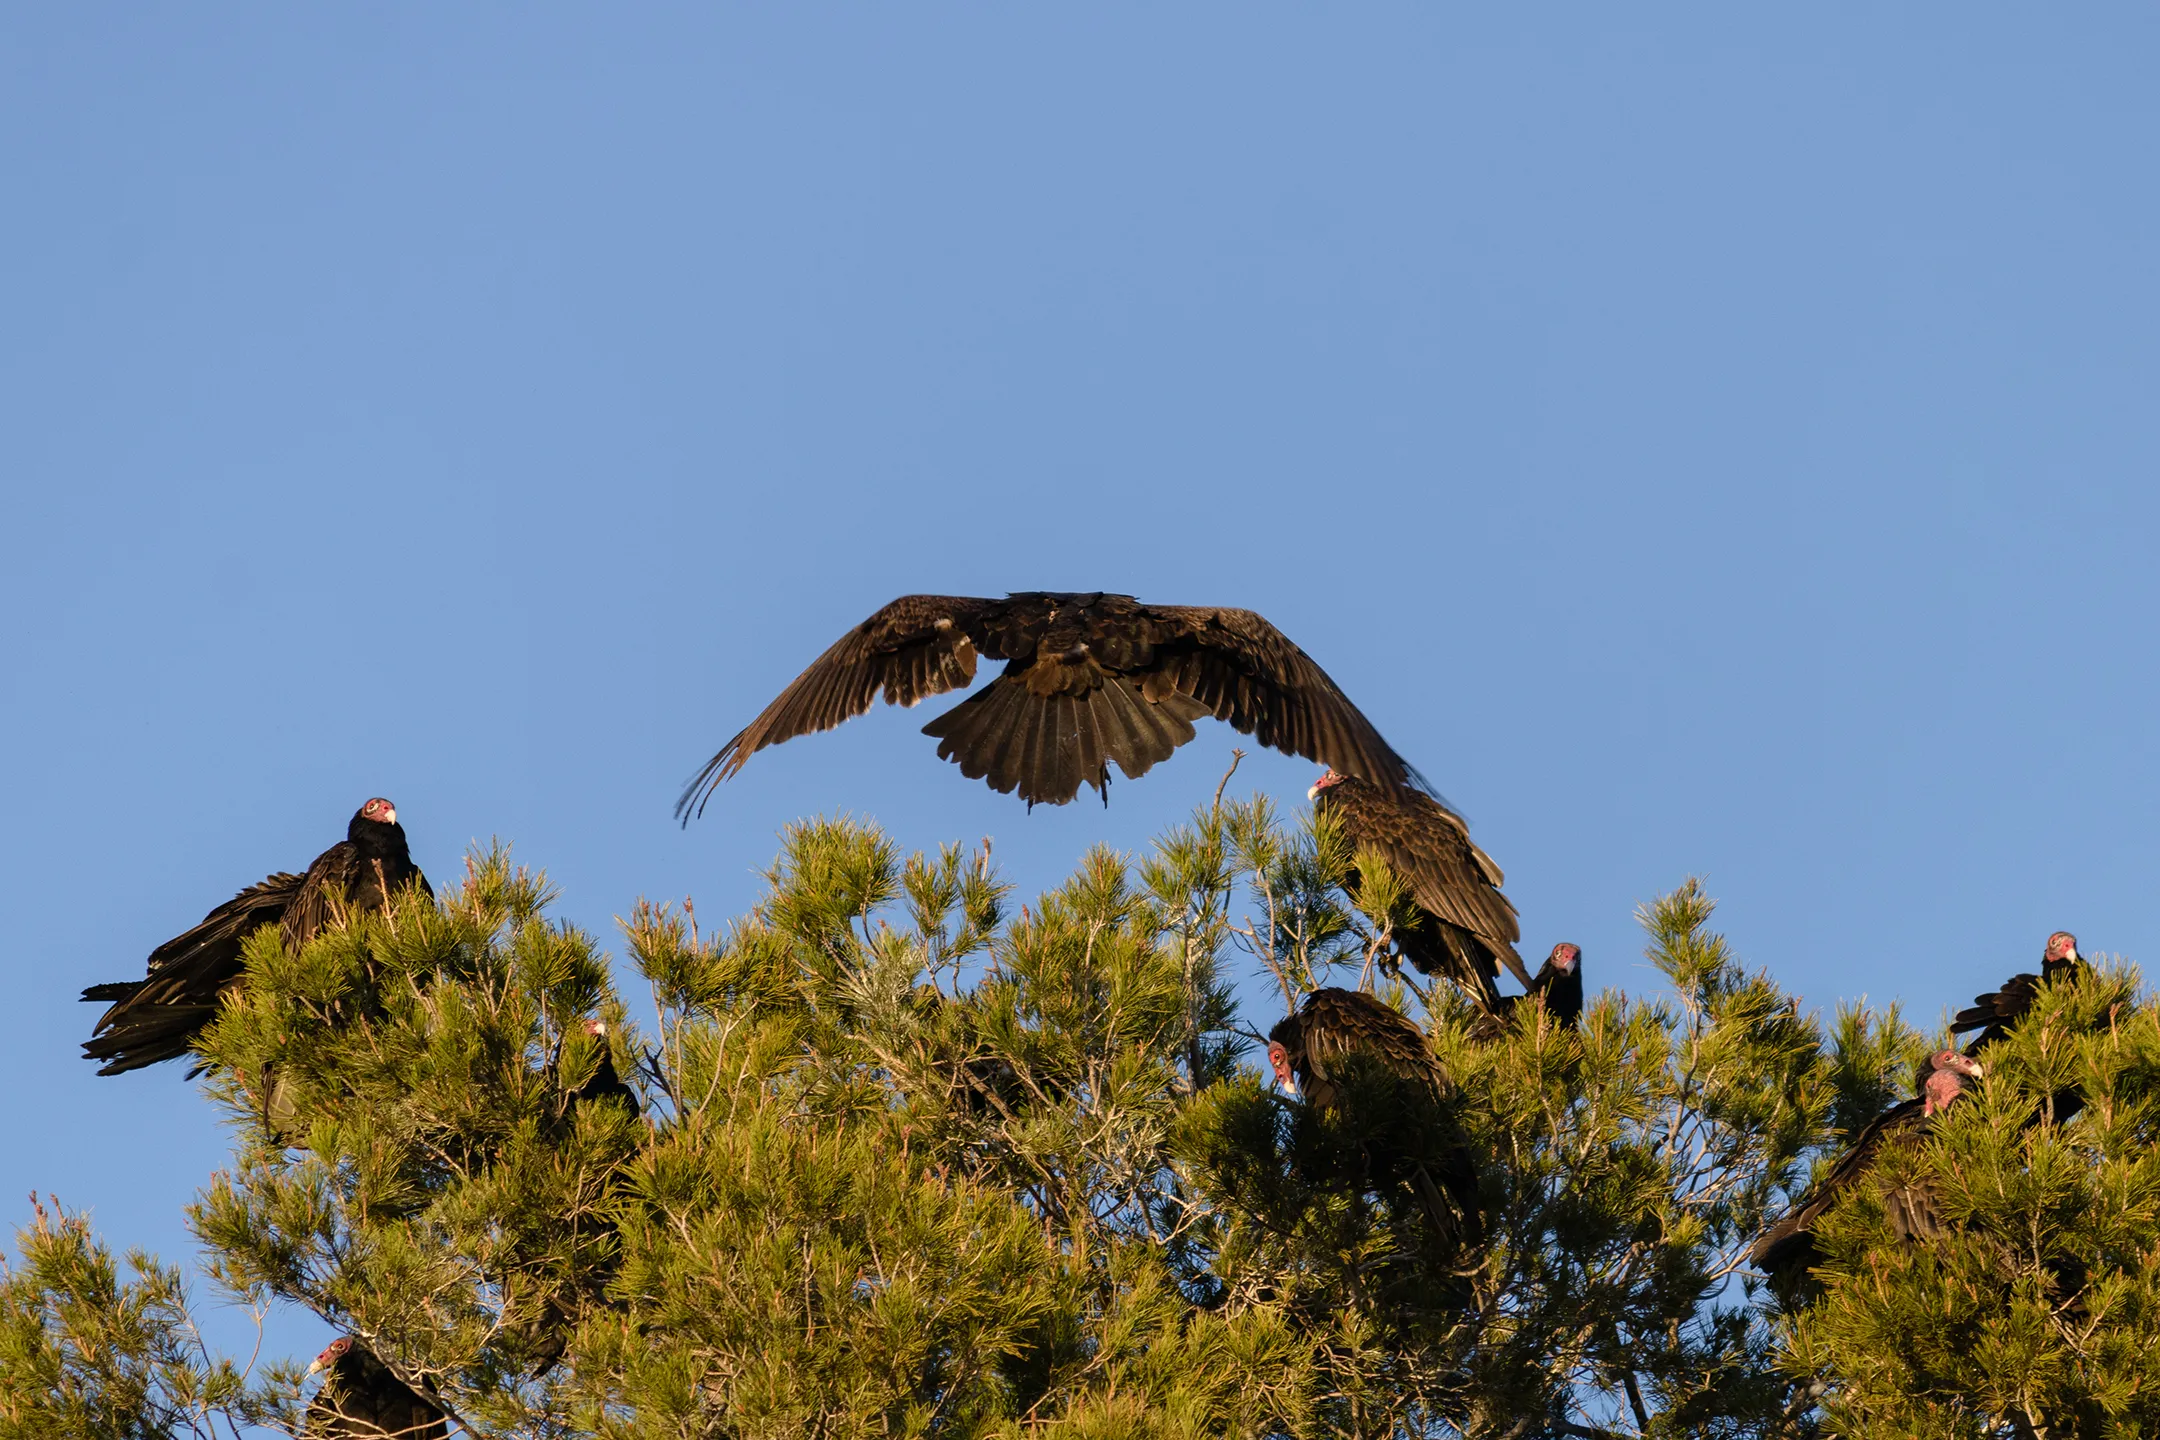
point(1089, 679)
point(1787, 1248)
point(157, 1017)
point(1466, 929)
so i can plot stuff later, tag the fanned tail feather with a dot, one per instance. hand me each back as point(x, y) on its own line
point(1047, 747)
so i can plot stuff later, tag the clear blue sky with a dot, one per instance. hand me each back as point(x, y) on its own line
point(1704, 439)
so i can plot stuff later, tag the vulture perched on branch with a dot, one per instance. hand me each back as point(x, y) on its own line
point(361, 1400)
point(1997, 1013)
point(1465, 929)
point(155, 1018)
point(1788, 1247)
point(1316, 1052)
point(1088, 679)
point(1557, 986)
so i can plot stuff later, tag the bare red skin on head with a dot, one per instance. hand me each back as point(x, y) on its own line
point(1947, 1080)
point(1565, 956)
point(596, 1027)
point(380, 810)
point(1331, 778)
point(2062, 945)
point(333, 1352)
point(1279, 1059)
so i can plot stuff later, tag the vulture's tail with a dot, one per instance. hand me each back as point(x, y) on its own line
point(1048, 746)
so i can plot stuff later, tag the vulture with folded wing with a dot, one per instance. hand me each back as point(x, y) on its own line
point(1464, 929)
point(1787, 1249)
point(1997, 1013)
point(155, 1018)
point(1316, 1053)
point(1556, 988)
point(1088, 679)
point(361, 1399)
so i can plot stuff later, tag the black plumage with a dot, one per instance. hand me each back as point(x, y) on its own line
point(1465, 929)
point(1787, 1249)
point(1088, 679)
point(361, 1399)
point(605, 1083)
point(1997, 1013)
point(1556, 988)
point(157, 1017)
point(1317, 1053)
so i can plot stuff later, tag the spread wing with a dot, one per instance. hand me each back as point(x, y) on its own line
point(920, 645)
point(154, 1018)
point(1251, 676)
point(1430, 848)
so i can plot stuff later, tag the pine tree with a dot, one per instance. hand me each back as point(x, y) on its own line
point(906, 1158)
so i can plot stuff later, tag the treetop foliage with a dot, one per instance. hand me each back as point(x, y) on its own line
point(910, 1158)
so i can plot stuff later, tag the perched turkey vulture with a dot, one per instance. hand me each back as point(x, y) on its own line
point(361, 1400)
point(1314, 1052)
point(1088, 679)
point(1557, 987)
point(1465, 928)
point(155, 1018)
point(605, 1083)
point(1788, 1247)
point(1997, 1013)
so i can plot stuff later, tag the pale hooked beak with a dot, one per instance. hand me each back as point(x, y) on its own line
point(314, 1366)
point(389, 815)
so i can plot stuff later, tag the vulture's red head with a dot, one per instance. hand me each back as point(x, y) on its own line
point(1278, 1059)
point(332, 1353)
point(1331, 778)
point(2061, 947)
point(1566, 957)
point(1948, 1073)
point(379, 810)
point(597, 1028)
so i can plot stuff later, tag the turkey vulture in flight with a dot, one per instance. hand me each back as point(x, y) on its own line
point(1465, 928)
point(1313, 1052)
point(154, 1018)
point(1788, 1247)
point(1088, 679)
point(361, 1400)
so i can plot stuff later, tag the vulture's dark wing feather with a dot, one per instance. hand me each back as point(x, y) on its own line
point(1337, 1023)
point(1792, 1236)
point(153, 1019)
point(1253, 677)
point(920, 645)
point(1996, 1013)
point(1451, 879)
point(347, 878)
point(330, 884)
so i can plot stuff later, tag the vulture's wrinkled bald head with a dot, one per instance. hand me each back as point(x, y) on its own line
point(2061, 946)
point(1948, 1074)
point(381, 811)
point(1566, 957)
point(332, 1353)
